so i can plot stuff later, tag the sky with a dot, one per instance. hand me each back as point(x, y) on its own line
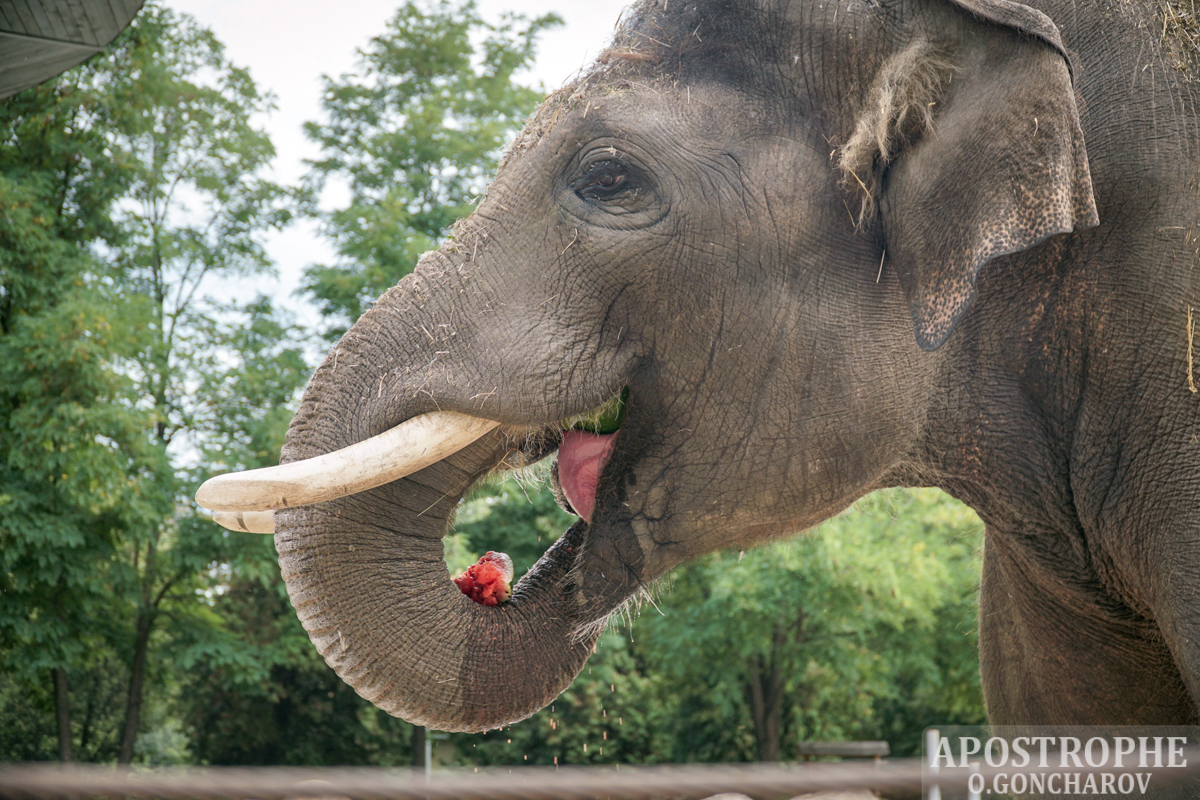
point(288, 46)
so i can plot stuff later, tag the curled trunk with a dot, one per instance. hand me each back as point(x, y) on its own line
point(368, 578)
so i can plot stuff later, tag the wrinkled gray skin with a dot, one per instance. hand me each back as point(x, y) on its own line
point(776, 374)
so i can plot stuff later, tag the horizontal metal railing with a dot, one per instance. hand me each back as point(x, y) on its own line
point(690, 782)
point(682, 782)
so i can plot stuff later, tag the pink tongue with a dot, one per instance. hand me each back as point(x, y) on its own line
point(581, 458)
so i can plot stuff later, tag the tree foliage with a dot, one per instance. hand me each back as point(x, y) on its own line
point(515, 515)
point(70, 442)
point(414, 135)
point(196, 209)
point(131, 181)
point(815, 637)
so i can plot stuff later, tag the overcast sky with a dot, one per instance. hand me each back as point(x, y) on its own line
point(287, 46)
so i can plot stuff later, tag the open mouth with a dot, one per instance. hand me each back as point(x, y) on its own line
point(586, 448)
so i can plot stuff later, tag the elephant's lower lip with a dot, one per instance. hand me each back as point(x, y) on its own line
point(582, 456)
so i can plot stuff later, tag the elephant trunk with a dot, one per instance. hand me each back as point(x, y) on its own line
point(373, 593)
point(366, 572)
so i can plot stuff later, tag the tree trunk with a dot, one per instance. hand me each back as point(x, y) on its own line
point(62, 713)
point(418, 748)
point(766, 706)
point(85, 733)
point(765, 694)
point(137, 677)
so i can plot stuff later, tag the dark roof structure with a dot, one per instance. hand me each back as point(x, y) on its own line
point(41, 38)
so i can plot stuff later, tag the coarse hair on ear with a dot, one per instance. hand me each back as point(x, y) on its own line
point(899, 108)
point(994, 168)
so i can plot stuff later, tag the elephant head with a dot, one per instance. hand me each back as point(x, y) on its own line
point(759, 221)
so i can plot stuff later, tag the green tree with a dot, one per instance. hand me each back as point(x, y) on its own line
point(812, 637)
point(68, 432)
point(259, 693)
point(196, 210)
point(128, 185)
point(415, 134)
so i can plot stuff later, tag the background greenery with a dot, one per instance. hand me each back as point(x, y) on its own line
point(134, 630)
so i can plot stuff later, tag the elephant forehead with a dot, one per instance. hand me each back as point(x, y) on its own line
point(657, 114)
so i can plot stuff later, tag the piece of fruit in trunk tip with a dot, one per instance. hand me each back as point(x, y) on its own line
point(488, 580)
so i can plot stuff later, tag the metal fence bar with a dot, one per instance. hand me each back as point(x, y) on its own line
point(683, 782)
point(519, 783)
point(859, 749)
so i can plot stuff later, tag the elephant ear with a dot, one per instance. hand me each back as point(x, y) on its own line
point(998, 166)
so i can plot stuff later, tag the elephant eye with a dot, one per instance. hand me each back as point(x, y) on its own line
point(610, 189)
point(603, 181)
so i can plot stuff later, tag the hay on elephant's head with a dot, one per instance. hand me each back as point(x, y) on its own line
point(1181, 34)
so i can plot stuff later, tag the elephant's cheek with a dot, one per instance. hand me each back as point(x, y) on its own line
point(648, 507)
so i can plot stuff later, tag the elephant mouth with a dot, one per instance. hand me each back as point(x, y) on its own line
point(585, 451)
point(582, 458)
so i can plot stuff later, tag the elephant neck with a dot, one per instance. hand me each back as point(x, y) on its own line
point(1054, 386)
point(1004, 428)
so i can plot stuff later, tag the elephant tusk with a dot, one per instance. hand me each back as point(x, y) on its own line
point(410, 446)
point(246, 521)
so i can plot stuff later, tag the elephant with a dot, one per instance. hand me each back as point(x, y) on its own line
point(819, 248)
